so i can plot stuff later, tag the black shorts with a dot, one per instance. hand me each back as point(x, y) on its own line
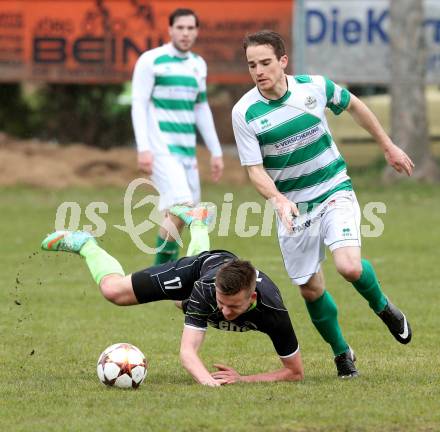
point(174, 280)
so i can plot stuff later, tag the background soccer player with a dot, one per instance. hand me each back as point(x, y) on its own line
point(168, 103)
point(214, 288)
point(285, 143)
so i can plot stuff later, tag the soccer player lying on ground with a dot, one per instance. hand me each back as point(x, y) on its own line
point(212, 287)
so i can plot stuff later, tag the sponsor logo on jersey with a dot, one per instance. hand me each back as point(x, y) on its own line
point(302, 138)
point(299, 227)
point(310, 102)
point(231, 326)
point(265, 123)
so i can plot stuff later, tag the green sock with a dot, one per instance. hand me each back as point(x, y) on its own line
point(324, 315)
point(100, 263)
point(368, 287)
point(169, 252)
point(199, 238)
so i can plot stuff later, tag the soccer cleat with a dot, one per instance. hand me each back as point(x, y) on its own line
point(396, 322)
point(345, 364)
point(203, 212)
point(68, 241)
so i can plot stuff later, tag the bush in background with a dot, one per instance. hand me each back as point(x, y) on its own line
point(66, 113)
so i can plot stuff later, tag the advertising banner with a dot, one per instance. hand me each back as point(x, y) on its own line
point(349, 40)
point(98, 41)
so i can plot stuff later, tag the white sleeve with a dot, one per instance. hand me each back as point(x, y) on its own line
point(142, 87)
point(205, 125)
point(203, 114)
point(247, 142)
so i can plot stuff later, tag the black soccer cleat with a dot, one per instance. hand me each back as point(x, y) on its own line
point(345, 364)
point(396, 322)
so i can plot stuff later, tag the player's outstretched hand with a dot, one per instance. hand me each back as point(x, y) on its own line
point(216, 168)
point(399, 160)
point(225, 374)
point(145, 162)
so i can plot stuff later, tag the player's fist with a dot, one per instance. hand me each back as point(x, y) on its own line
point(145, 161)
point(216, 168)
point(211, 383)
point(286, 210)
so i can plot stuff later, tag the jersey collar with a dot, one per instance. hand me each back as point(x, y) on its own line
point(176, 53)
point(255, 302)
point(252, 306)
point(282, 99)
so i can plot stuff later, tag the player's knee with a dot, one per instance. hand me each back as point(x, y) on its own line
point(350, 270)
point(111, 290)
point(310, 293)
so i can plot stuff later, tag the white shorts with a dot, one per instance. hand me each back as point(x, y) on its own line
point(334, 223)
point(176, 179)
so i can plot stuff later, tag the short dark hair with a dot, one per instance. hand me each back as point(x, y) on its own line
point(266, 37)
point(235, 276)
point(182, 12)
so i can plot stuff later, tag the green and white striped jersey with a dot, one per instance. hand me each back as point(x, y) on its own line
point(291, 138)
point(167, 87)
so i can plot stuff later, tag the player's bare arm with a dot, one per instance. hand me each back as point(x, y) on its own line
point(192, 340)
point(292, 370)
point(266, 187)
point(394, 156)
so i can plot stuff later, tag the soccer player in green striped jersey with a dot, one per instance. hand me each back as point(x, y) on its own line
point(285, 143)
point(168, 104)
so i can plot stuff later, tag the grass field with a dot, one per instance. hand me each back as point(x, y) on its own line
point(54, 324)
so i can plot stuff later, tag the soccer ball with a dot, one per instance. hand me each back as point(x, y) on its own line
point(122, 365)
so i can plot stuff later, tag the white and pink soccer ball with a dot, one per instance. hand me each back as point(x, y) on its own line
point(122, 365)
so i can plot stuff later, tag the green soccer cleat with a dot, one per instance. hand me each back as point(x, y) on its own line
point(67, 241)
point(203, 213)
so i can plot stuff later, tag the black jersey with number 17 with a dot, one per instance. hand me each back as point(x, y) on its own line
point(267, 315)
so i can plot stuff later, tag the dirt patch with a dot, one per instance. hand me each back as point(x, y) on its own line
point(44, 164)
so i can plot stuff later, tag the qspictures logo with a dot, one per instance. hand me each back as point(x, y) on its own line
point(151, 222)
point(244, 219)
